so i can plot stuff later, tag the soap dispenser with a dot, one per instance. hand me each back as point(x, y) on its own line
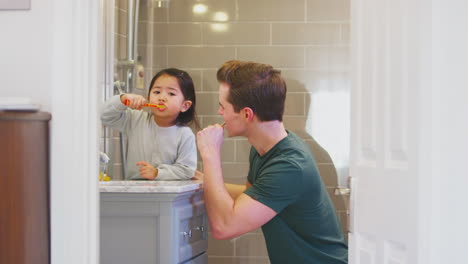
point(103, 162)
point(140, 74)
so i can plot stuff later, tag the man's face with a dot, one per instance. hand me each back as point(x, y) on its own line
point(234, 122)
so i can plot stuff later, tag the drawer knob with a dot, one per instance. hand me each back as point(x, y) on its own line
point(187, 234)
point(201, 228)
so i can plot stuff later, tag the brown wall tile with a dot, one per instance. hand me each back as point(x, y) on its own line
point(242, 150)
point(328, 58)
point(208, 103)
point(184, 34)
point(237, 34)
point(235, 172)
point(251, 244)
point(210, 83)
point(199, 57)
point(276, 10)
point(159, 58)
point(220, 247)
point(295, 104)
point(328, 10)
point(158, 14)
point(305, 34)
point(182, 11)
point(328, 174)
point(280, 57)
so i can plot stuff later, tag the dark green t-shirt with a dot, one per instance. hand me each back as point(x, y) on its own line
point(306, 228)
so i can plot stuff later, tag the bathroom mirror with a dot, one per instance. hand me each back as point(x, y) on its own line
point(308, 40)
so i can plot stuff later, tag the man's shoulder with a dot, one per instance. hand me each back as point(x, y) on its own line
point(293, 138)
point(292, 145)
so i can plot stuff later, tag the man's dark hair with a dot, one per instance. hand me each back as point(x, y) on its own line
point(255, 85)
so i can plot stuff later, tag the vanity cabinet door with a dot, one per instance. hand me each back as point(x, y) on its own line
point(129, 230)
point(152, 228)
point(193, 233)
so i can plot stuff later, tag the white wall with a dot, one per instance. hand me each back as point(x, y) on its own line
point(51, 53)
point(450, 93)
point(25, 52)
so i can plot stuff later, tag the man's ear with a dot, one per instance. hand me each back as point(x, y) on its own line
point(186, 105)
point(248, 113)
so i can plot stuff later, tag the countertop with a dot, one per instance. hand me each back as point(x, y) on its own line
point(150, 186)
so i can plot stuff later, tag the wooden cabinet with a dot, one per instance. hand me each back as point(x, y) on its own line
point(24, 188)
point(167, 228)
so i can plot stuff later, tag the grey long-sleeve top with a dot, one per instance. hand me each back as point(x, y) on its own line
point(172, 150)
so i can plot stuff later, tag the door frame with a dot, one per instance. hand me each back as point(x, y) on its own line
point(78, 56)
point(77, 77)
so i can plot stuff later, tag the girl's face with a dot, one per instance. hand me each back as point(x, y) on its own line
point(166, 93)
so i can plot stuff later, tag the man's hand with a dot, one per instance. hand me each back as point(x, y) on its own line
point(210, 140)
point(147, 171)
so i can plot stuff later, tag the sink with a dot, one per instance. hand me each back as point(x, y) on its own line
point(150, 186)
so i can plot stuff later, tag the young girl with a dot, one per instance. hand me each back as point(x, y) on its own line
point(160, 143)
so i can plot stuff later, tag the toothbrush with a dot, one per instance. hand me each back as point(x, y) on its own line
point(127, 102)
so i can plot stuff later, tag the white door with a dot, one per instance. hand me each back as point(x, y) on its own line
point(385, 129)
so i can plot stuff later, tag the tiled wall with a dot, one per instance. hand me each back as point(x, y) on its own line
point(307, 39)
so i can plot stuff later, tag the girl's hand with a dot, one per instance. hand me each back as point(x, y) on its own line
point(136, 101)
point(198, 175)
point(210, 140)
point(147, 171)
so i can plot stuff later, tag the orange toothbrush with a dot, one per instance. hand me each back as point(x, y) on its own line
point(127, 102)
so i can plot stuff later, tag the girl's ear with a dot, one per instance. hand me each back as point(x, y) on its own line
point(186, 105)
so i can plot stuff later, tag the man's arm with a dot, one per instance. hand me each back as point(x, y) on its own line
point(229, 217)
point(234, 190)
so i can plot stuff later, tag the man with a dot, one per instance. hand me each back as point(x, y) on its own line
point(284, 193)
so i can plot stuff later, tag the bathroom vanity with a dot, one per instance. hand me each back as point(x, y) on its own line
point(153, 222)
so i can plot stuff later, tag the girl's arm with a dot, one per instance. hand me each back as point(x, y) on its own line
point(114, 113)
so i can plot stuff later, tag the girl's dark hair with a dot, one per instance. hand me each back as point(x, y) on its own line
point(188, 117)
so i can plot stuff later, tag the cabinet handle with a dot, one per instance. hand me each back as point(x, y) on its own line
point(187, 234)
point(201, 228)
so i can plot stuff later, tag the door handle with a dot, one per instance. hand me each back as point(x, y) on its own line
point(345, 193)
point(342, 191)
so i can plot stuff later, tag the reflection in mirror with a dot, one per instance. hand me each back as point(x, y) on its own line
point(124, 72)
point(307, 39)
